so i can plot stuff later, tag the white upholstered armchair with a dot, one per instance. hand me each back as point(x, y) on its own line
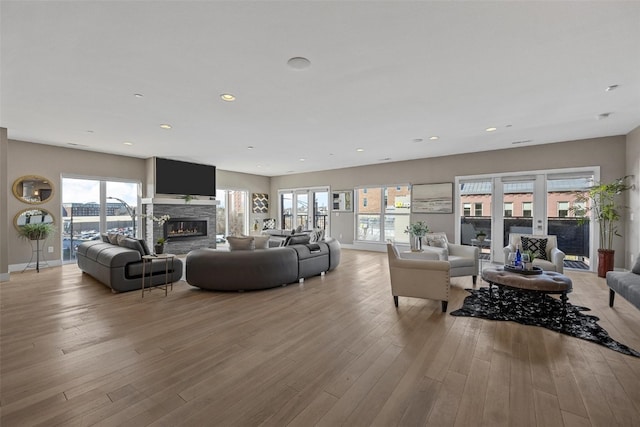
point(544, 247)
point(418, 278)
point(463, 259)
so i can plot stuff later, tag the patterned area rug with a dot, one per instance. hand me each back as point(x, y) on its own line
point(531, 308)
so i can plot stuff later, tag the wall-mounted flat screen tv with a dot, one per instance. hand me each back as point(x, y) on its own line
point(185, 178)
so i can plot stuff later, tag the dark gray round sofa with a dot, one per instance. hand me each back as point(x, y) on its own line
point(244, 270)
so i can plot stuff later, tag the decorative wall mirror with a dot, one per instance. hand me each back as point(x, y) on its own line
point(33, 189)
point(32, 216)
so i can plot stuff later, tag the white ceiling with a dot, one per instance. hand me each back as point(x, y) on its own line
point(382, 75)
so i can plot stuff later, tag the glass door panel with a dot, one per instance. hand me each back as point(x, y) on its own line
point(80, 214)
point(302, 210)
point(369, 214)
point(286, 211)
point(475, 203)
point(320, 209)
point(122, 208)
point(518, 208)
point(563, 214)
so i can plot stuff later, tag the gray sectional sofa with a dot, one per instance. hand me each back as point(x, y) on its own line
point(120, 267)
point(626, 283)
point(241, 270)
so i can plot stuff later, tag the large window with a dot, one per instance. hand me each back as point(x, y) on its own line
point(231, 215)
point(94, 206)
point(383, 213)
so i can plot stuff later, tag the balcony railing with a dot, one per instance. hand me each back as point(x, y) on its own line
point(573, 237)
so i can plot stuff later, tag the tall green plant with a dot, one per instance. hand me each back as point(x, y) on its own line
point(603, 200)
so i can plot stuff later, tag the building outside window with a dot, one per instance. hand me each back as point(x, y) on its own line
point(467, 209)
point(563, 209)
point(508, 209)
point(478, 209)
point(383, 214)
point(527, 209)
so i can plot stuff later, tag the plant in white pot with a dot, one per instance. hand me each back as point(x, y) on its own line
point(605, 202)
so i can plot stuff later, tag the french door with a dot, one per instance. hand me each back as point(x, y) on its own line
point(540, 202)
point(306, 208)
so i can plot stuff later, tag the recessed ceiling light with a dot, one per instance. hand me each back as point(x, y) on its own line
point(165, 126)
point(89, 131)
point(603, 116)
point(298, 63)
point(228, 97)
point(251, 147)
point(359, 150)
point(302, 159)
point(417, 139)
point(138, 95)
point(75, 144)
point(386, 159)
point(612, 87)
point(433, 138)
point(491, 129)
point(129, 143)
point(521, 142)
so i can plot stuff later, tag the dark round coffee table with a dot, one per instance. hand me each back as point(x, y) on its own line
point(548, 282)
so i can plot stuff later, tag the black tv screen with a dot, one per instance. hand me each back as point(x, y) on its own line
point(176, 177)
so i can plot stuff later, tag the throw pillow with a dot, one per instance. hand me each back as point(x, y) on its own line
point(636, 267)
point(105, 237)
point(113, 238)
point(261, 242)
point(145, 247)
point(240, 243)
point(299, 239)
point(317, 235)
point(130, 243)
point(436, 241)
point(538, 247)
point(120, 238)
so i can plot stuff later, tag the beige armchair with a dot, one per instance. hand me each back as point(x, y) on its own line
point(554, 257)
point(418, 278)
point(463, 259)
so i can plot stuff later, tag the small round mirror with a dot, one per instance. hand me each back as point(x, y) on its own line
point(32, 216)
point(33, 189)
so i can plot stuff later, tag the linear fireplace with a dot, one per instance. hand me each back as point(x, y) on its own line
point(183, 228)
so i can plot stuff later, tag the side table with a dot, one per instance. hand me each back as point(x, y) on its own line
point(481, 244)
point(148, 259)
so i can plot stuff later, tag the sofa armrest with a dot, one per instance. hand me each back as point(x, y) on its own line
point(557, 257)
point(464, 251)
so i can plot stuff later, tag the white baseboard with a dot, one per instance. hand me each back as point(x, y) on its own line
point(43, 265)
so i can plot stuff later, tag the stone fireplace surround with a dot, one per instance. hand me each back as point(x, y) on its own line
point(178, 208)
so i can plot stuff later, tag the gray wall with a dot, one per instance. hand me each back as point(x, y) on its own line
point(633, 201)
point(4, 210)
point(53, 161)
point(608, 153)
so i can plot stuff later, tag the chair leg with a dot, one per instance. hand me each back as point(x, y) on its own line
point(444, 306)
point(612, 296)
point(395, 300)
point(475, 279)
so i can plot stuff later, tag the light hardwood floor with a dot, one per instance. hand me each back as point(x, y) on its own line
point(333, 351)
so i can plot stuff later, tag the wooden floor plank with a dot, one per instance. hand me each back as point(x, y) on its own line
point(333, 350)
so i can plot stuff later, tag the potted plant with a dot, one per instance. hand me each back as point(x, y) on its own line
point(37, 232)
point(418, 230)
point(481, 236)
point(604, 202)
point(158, 248)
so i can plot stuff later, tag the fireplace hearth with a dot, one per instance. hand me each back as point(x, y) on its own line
point(184, 228)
